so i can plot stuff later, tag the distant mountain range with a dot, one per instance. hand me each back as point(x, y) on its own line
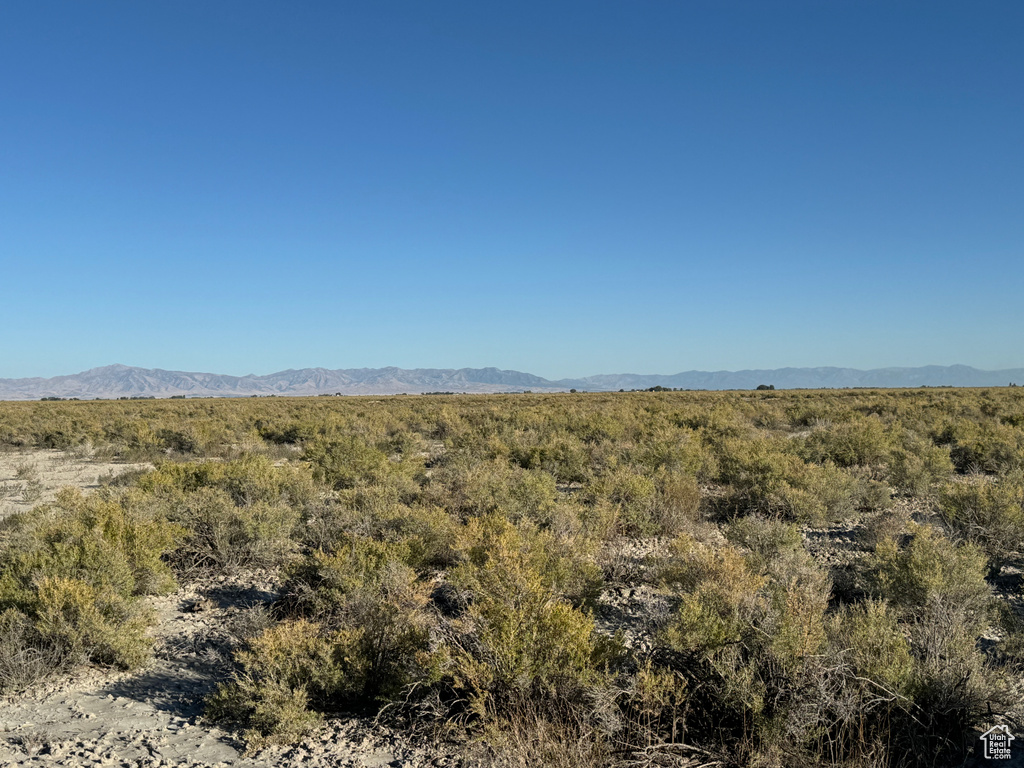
point(125, 381)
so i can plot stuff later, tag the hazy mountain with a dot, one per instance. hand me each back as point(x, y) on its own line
point(125, 381)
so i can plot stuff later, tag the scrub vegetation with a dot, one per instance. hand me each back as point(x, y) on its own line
point(753, 579)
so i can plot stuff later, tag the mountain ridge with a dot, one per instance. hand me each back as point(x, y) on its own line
point(120, 380)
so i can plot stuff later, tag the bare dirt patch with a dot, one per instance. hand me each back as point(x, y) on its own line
point(28, 478)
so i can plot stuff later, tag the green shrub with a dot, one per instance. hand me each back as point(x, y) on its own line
point(765, 538)
point(472, 488)
point(346, 461)
point(747, 641)
point(765, 478)
point(984, 446)
point(80, 620)
point(249, 480)
point(638, 505)
point(522, 637)
point(237, 514)
point(871, 640)
point(860, 442)
point(70, 574)
point(225, 537)
point(370, 641)
point(102, 540)
point(917, 465)
point(271, 691)
point(720, 597)
point(989, 514)
point(930, 567)
point(565, 566)
point(377, 513)
point(565, 457)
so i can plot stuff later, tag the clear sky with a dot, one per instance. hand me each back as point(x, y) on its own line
point(564, 188)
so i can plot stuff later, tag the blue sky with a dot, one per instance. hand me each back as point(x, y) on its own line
point(565, 188)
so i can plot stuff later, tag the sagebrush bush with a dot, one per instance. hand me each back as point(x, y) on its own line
point(766, 478)
point(356, 634)
point(428, 532)
point(917, 465)
point(242, 513)
point(471, 488)
point(765, 538)
point(930, 568)
point(521, 635)
point(25, 656)
point(983, 446)
point(874, 644)
point(71, 573)
point(747, 637)
point(991, 514)
point(858, 442)
point(346, 461)
point(225, 536)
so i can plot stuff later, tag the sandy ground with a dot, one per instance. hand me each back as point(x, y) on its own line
point(28, 478)
point(152, 717)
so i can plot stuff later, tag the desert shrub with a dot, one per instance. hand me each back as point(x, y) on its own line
point(628, 502)
point(71, 573)
point(720, 596)
point(534, 735)
point(236, 514)
point(378, 513)
point(80, 620)
point(250, 479)
point(225, 536)
point(103, 540)
point(984, 445)
point(271, 690)
point(368, 641)
point(563, 456)
point(471, 488)
point(917, 465)
point(764, 538)
point(866, 698)
point(632, 498)
point(676, 451)
point(346, 461)
point(565, 566)
point(521, 639)
point(131, 438)
point(765, 478)
point(25, 656)
point(859, 442)
point(874, 644)
point(929, 570)
point(954, 688)
point(677, 502)
point(196, 437)
point(889, 524)
point(991, 514)
point(747, 641)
